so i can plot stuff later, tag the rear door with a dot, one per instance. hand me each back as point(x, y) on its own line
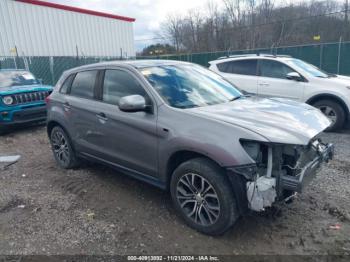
point(273, 81)
point(242, 73)
point(80, 105)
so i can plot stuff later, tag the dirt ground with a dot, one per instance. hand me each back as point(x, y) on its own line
point(96, 210)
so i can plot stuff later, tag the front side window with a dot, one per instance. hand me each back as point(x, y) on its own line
point(83, 84)
point(186, 86)
point(118, 83)
point(274, 69)
point(12, 78)
point(241, 67)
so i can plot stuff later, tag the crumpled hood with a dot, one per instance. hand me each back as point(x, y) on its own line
point(21, 89)
point(278, 120)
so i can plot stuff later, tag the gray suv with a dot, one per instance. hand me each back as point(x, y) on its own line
point(185, 129)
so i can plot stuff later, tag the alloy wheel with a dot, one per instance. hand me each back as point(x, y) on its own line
point(60, 147)
point(329, 112)
point(198, 199)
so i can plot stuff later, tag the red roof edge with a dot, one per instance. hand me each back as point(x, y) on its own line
point(77, 9)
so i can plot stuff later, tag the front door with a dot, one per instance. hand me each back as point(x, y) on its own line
point(129, 138)
point(272, 81)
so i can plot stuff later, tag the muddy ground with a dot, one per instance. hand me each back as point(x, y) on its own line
point(96, 210)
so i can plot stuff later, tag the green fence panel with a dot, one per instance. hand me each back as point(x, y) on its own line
point(344, 59)
point(40, 67)
point(330, 58)
point(7, 63)
point(325, 56)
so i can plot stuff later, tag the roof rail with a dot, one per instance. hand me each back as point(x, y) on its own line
point(232, 56)
point(250, 55)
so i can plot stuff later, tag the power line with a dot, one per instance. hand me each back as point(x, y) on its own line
point(259, 25)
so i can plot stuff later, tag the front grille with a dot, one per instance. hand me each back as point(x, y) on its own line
point(24, 98)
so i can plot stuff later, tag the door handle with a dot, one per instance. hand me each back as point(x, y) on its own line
point(102, 116)
point(264, 84)
point(66, 106)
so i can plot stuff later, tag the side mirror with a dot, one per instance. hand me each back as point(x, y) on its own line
point(40, 81)
point(294, 76)
point(132, 103)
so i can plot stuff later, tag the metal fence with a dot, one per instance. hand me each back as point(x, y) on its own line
point(49, 69)
point(331, 57)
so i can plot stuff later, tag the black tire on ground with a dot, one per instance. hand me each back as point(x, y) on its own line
point(62, 148)
point(337, 109)
point(215, 177)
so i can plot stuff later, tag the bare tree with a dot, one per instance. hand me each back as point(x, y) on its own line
point(172, 28)
point(249, 24)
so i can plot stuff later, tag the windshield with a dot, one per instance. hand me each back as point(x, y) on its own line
point(186, 86)
point(311, 69)
point(16, 78)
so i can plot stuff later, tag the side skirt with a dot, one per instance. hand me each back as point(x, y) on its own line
point(127, 171)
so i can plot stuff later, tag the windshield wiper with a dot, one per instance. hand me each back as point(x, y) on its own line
point(235, 98)
point(332, 75)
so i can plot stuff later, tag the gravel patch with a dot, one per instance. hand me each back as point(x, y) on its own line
point(95, 210)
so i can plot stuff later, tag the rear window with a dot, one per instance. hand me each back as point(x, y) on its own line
point(67, 83)
point(83, 84)
point(241, 67)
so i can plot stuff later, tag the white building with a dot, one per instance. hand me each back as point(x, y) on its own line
point(38, 28)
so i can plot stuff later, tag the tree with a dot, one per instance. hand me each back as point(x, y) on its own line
point(247, 24)
point(158, 49)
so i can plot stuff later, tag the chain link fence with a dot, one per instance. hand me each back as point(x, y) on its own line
point(49, 69)
point(331, 57)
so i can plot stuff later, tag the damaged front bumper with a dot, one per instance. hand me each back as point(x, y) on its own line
point(296, 183)
point(281, 170)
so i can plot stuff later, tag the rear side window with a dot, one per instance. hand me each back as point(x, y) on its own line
point(83, 84)
point(67, 83)
point(274, 69)
point(241, 67)
point(118, 83)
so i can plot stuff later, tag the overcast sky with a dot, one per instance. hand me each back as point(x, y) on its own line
point(149, 14)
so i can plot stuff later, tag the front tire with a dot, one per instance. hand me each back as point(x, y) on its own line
point(333, 111)
point(203, 196)
point(62, 148)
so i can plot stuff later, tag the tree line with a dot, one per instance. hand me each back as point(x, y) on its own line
point(250, 24)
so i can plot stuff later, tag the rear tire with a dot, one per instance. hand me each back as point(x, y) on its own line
point(334, 111)
point(62, 149)
point(203, 196)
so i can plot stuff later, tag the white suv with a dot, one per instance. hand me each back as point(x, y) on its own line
point(287, 77)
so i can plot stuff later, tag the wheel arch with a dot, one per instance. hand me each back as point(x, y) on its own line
point(179, 157)
point(53, 123)
point(331, 97)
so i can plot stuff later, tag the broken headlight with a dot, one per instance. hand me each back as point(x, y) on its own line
point(253, 149)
